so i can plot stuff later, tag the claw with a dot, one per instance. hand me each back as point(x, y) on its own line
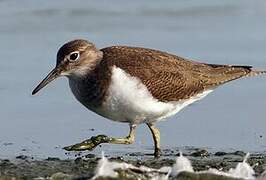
point(88, 144)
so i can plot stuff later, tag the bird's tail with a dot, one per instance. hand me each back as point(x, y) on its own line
point(226, 73)
point(246, 71)
point(254, 72)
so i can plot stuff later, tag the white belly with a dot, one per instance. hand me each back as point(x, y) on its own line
point(130, 101)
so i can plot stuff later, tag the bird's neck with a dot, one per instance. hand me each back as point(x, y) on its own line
point(90, 88)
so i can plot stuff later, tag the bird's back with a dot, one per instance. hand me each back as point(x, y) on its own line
point(169, 77)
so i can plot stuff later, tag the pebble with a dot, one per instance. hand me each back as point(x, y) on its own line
point(53, 159)
point(220, 153)
point(200, 153)
point(22, 157)
point(90, 156)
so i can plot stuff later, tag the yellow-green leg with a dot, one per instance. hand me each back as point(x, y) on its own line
point(156, 138)
point(94, 141)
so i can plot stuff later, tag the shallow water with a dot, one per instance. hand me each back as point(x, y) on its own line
point(230, 32)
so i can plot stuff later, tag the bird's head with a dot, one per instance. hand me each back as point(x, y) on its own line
point(75, 59)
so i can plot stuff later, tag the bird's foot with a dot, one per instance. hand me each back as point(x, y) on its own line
point(88, 144)
point(157, 153)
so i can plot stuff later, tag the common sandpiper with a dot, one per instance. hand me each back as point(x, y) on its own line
point(135, 85)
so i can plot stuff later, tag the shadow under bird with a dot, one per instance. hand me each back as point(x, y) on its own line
point(135, 85)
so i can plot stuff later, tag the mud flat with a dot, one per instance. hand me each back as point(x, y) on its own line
point(197, 164)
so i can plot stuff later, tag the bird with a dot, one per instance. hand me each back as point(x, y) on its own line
point(135, 85)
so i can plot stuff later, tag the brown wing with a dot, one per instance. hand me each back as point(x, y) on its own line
point(169, 77)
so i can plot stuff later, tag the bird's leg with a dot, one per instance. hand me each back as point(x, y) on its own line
point(94, 141)
point(156, 138)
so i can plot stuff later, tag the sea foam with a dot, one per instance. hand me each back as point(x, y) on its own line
point(243, 170)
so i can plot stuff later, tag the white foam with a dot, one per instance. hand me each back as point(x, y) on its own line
point(243, 170)
point(182, 164)
point(106, 168)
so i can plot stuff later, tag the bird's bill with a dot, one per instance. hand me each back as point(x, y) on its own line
point(49, 78)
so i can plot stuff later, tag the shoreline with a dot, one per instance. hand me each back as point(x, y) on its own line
point(83, 167)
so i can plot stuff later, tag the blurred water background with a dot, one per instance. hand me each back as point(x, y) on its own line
point(214, 31)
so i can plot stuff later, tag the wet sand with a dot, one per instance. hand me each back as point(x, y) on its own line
point(83, 167)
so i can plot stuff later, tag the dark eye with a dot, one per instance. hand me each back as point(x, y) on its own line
point(74, 56)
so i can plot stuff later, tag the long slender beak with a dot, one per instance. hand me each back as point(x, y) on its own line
point(49, 78)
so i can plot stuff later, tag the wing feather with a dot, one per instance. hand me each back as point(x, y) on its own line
point(169, 77)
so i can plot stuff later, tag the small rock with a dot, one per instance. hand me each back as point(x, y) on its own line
point(220, 153)
point(200, 153)
point(5, 160)
point(22, 157)
point(239, 153)
point(90, 156)
point(135, 154)
point(118, 158)
point(78, 160)
point(53, 159)
point(78, 154)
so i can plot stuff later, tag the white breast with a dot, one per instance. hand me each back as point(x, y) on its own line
point(130, 101)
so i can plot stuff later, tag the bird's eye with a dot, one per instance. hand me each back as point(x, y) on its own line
point(74, 56)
